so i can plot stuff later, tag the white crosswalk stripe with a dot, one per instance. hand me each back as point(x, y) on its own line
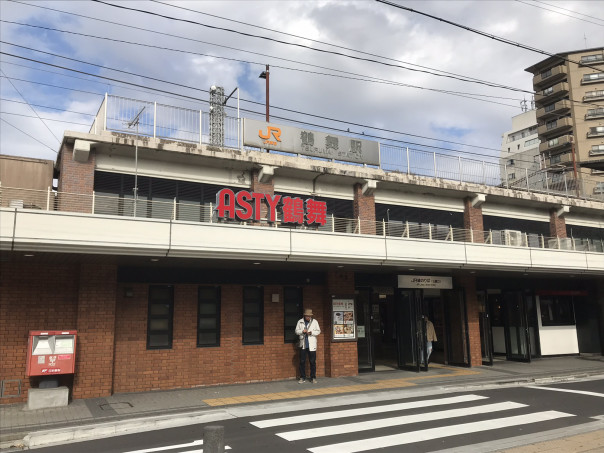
point(396, 421)
point(167, 448)
point(437, 433)
point(369, 419)
point(366, 411)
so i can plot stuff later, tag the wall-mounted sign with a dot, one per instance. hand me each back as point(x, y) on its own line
point(343, 319)
point(245, 205)
point(424, 281)
point(310, 143)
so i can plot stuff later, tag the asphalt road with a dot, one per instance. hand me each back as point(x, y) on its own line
point(484, 419)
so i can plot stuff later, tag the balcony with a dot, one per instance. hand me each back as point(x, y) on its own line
point(554, 110)
point(556, 144)
point(559, 160)
point(596, 113)
point(596, 95)
point(551, 94)
point(592, 60)
point(594, 132)
point(596, 77)
point(555, 127)
point(550, 76)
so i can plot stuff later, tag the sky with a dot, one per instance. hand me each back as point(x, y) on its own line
point(368, 67)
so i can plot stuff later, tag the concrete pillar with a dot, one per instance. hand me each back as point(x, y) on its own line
point(95, 323)
point(472, 219)
point(557, 224)
point(267, 187)
point(341, 358)
point(364, 208)
point(600, 301)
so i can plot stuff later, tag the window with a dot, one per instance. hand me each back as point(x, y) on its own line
point(208, 316)
point(592, 58)
point(546, 74)
point(593, 77)
point(551, 124)
point(292, 308)
point(596, 131)
point(552, 142)
point(557, 311)
point(595, 112)
point(160, 316)
point(510, 161)
point(549, 108)
point(512, 176)
point(596, 150)
point(532, 141)
point(253, 315)
point(594, 94)
point(547, 91)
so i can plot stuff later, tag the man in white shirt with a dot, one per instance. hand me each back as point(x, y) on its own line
point(307, 330)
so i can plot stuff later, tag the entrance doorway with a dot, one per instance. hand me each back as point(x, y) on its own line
point(392, 329)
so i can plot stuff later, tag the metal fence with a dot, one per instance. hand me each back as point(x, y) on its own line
point(205, 213)
point(187, 125)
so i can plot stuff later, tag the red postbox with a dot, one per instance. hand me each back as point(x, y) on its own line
point(51, 352)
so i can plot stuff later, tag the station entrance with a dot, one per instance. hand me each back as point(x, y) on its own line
point(392, 328)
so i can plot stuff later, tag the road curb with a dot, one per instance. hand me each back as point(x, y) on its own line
point(109, 429)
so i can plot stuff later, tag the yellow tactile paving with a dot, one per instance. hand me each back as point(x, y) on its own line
point(381, 384)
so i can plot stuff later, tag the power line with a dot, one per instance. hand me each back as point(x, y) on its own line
point(256, 26)
point(47, 107)
point(251, 35)
point(47, 119)
point(558, 12)
point(482, 33)
point(33, 138)
point(33, 110)
point(569, 10)
point(360, 77)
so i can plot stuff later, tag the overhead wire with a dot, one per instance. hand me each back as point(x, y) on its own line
point(359, 77)
point(33, 110)
point(30, 136)
point(558, 12)
point(482, 33)
point(47, 107)
point(570, 10)
point(315, 49)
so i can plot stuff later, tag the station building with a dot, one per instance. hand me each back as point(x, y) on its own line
point(184, 264)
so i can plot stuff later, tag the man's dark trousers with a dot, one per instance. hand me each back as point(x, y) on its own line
point(312, 357)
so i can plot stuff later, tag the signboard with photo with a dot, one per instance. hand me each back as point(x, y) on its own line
point(343, 319)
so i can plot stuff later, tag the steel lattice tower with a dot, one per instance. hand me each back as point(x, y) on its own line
point(217, 116)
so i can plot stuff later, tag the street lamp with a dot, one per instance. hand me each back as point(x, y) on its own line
point(265, 75)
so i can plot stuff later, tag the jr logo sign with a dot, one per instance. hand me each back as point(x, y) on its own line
point(272, 132)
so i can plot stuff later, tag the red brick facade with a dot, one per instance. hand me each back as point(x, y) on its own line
point(364, 209)
point(76, 183)
point(468, 283)
point(472, 219)
point(557, 225)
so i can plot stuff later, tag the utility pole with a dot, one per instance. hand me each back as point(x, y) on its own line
point(265, 75)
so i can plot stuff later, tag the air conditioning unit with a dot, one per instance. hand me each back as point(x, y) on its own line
point(513, 237)
point(564, 243)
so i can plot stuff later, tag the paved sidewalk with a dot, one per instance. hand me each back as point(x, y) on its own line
point(191, 405)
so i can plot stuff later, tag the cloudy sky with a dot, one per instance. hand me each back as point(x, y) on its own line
point(362, 66)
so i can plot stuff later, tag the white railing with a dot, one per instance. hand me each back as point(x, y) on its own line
point(205, 213)
point(193, 126)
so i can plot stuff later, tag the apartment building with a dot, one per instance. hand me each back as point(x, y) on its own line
point(570, 114)
point(520, 156)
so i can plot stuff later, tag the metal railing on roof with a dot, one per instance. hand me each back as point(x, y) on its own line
point(104, 205)
point(193, 126)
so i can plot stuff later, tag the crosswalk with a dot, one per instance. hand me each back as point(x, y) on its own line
point(182, 448)
point(387, 425)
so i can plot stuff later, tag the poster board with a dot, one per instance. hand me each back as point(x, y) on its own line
point(343, 319)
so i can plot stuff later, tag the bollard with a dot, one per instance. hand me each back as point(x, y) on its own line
point(213, 439)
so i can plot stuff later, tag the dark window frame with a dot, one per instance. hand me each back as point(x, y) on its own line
point(258, 314)
point(169, 317)
point(564, 317)
point(292, 294)
point(216, 316)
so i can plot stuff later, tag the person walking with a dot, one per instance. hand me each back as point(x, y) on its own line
point(308, 330)
point(430, 337)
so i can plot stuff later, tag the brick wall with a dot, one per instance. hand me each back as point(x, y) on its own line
point(186, 365)
point(262, 187)
point(33, 296)
point(472, 219)
point(95, 325)
point(364, 208)
point(341, 358)
point(76, 182)
point(468, 283)
point(557, 225)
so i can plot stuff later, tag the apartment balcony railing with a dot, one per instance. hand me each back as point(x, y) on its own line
point(550, 76)
point(550, 94)
point(554, 110)
point(555, 127)
point(556, 144)
point(592, 59)
point(26, 199)
point(174, 123)
point(595, 95)
point(562, 159)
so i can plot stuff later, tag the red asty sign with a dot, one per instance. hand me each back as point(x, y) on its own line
point(245, 205)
